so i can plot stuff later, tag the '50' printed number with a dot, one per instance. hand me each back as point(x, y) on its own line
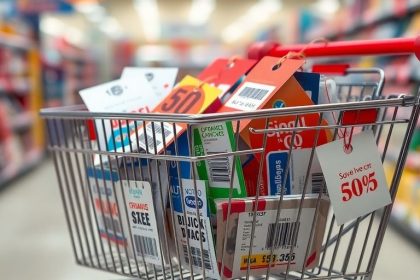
point(183, 100)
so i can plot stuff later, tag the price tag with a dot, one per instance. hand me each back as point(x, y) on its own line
point(194, 235)
point(143, 223)
point(190, 96)
point(356, 181)
point(224, 73)
point(161, 79)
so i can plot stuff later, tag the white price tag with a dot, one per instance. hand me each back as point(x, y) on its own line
point(119, 96)
point(161, 79)
point(141, 212)
point(250, 96)
point(356, 181)
point(194, 235)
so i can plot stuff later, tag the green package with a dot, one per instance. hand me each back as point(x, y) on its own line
point(215, 138)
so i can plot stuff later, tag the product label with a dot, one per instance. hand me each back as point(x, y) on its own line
point(106, 207)
point(153, 139)
point(294, 184)
point(250, 96)
point(212, 139)
point(268, 233)
point(195, 240)
point(355, 179)
point(141, 212)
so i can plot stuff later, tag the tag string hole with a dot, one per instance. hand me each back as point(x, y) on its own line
point(276, 66)
point(348, 149)
point(230, 65)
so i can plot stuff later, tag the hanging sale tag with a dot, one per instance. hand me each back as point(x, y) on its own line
point(224, 73)
point(143, 222)
point(190, 96)
point(161, 79)
point(355, 180)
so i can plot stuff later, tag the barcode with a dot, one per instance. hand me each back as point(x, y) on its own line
point(150, 141)
point(284, 236)
point(112, 224)
point(253, 93)
point(196, 257)
point(219, 169)
point(158, 130)
point(145, 246)
point(317, 183)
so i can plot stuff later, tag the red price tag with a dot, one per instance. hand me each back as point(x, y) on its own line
point(355, 180)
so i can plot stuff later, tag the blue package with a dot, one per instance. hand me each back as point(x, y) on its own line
point(310, 84)
point(276, 165)
point(183, 150)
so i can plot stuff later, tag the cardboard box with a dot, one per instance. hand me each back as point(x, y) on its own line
point(269, 233)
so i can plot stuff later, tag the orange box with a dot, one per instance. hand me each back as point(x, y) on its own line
point(269, 86)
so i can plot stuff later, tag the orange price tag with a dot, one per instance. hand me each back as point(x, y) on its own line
point(190, 96)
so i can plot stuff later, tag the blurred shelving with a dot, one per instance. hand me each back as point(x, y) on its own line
point(335, 32)
point(375, 19)
point(379, 19)
point(22, 135)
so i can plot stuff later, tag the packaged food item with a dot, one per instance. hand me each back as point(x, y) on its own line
point(115, 196)
point(276, 162)
point(109, 207)
point(192, 228)
point(310, 84)
point(273, 85)
point(281, 141)
point(234, 258)
point(216, 138)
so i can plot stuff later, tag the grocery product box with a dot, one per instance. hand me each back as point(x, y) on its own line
point(127, 211)
point(223, 172)
point(268, 234)
point(192, 227)
point(100, 186)
point(266, 87)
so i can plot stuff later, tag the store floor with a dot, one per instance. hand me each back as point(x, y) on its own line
point(34, 242)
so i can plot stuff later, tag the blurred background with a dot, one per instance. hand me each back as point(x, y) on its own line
point(50, 49)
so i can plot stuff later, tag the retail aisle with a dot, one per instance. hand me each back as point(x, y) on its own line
point(34, 242)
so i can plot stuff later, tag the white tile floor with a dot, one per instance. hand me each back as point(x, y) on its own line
point(34, 243)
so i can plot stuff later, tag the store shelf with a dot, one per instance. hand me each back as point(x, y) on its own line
point(16, 42)
point(405, 215)
point(325, 31)
point(406, 224)
point(22, 122)
point(32, 159)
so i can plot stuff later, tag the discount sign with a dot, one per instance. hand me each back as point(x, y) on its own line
point(356, 181)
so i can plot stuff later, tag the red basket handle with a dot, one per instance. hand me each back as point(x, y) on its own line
point(395, 46)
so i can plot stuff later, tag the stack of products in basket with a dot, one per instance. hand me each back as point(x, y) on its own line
point(257, 228)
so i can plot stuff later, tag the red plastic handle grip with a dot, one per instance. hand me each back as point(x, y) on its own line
point(395, 46)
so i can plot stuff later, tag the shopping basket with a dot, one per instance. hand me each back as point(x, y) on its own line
point(349, 251)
